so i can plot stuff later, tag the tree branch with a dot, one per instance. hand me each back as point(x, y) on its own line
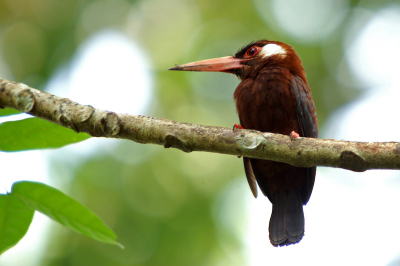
point(302, 152)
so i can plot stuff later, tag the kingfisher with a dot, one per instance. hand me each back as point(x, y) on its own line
point(273, 96)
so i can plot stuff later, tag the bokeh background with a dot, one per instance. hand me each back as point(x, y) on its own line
point(172, 208)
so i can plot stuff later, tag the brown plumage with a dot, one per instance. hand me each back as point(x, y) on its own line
point(273, 96)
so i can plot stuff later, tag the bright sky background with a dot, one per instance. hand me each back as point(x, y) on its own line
point(349, 219)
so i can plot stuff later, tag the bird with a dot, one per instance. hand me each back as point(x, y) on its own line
point(273, 96)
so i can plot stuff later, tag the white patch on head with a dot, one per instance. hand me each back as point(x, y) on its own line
point(272, 49)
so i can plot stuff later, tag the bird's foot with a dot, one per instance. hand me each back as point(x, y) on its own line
point(236, 127)
point(294, 135)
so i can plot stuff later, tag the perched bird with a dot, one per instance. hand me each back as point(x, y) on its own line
point(273, 96)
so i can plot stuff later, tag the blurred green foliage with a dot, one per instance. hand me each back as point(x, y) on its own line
point(167, 207)
point(8, 111)
point(15, 218)
point(63, 209)
point(35, 133)
point(17, 209)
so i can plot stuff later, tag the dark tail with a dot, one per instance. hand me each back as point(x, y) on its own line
point(286, 225)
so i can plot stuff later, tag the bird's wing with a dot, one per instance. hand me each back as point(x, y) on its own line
point(307, 120)
point(305, 110)
point(248, 169)
point(251, 178)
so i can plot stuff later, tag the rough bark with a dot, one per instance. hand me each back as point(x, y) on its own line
point(302, 152)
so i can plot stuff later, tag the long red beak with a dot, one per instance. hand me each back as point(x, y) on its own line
point(222, 64)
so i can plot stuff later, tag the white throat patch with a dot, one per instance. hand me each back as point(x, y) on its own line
point(272, 49)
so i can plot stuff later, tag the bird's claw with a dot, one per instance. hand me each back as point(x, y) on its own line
point(294, 135)
point(236, 127)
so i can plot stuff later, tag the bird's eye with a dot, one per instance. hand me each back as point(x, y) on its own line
point(252, 51)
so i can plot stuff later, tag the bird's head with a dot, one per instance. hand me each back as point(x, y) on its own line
point(249, 59)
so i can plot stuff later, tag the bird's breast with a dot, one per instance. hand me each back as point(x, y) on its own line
point(266, 104)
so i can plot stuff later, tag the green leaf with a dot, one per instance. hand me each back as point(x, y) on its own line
point(35, 133)
point(15, 218)
point(8, 111)
point(64, 210)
